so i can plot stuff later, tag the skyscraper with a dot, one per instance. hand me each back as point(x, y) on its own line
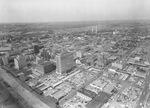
point(46, 55)
point(5, 61)
point(36, 49)
point(64, 62)
point(20, 62)
point(94, 29)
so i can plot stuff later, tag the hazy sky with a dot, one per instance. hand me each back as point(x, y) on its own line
point(73, 10)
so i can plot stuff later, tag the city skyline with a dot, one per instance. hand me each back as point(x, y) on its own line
point(72, 10)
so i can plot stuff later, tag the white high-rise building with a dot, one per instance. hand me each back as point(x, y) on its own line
point(20, 62)
point(64, 62)
point(5, 61)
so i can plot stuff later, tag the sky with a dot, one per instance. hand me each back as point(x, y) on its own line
point(73, 10)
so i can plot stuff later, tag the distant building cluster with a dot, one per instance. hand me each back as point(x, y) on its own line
point(99, 66)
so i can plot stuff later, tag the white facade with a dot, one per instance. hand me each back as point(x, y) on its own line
point(5, 60)
point(78, 54)
point(64, 62)
point(20, 62)
point(119, 65)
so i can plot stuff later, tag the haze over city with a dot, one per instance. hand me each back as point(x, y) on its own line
point(74, 54)
point(73, 10)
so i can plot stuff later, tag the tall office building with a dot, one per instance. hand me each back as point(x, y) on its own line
point(36, 49)
point(94, 29)
point(78, 54)
point(45, 54)
point(20, 62)
point(5, 61)
point(64, 62)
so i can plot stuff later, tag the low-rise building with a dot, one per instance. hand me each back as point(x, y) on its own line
point(5, 49)
point(120, 64)
point(113, 69)
point(39, 60)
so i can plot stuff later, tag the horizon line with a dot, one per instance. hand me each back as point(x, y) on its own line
point(73, 21)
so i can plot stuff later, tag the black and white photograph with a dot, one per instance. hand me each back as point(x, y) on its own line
point(74, 53)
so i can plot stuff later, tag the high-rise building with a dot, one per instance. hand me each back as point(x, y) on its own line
point(36, 49)
point(94, 29)
point(78, 54)
point(64, 62)
point(45, 54)
point(20, 62)
point(5, 61)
